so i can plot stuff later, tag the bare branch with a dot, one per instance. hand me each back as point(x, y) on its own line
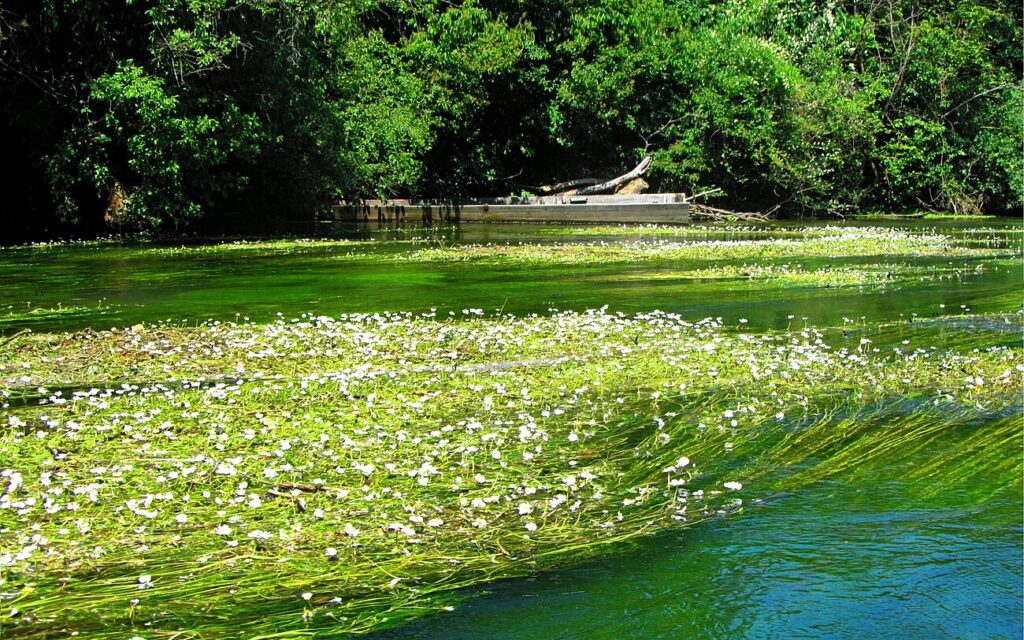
point(659, 132)
point(980, 95)
point(610, 185)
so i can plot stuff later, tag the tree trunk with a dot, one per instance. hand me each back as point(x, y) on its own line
point(634, 186)
point(637, 171)
point(549, 189)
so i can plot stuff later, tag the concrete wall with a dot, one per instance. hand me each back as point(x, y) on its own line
point(592, 212)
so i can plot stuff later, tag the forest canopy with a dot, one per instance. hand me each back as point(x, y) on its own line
point(217, 114)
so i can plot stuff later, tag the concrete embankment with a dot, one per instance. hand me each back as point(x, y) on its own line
point(657, 208)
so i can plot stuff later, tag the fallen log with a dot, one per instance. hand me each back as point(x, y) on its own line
point(610, 185)
point(550, 189)
point(633, 187)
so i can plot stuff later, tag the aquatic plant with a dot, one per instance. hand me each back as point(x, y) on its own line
point(858, 243)
point(322, 475)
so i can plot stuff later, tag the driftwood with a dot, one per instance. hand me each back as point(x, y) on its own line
point(633, 187)
point(549, 189)
point(637, 171)
point(704, 212)
point(591, 186)
point(630, 182)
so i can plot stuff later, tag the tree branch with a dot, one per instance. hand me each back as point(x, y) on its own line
point(637, 171)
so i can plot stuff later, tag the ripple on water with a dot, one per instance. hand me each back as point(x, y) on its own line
point(834, 561)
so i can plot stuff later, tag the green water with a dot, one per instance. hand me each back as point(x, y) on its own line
point(72, 287)
point(872, 553)
point(842, 560)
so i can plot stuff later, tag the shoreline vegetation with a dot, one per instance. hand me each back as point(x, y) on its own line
point(258, 112)
point(330, 475)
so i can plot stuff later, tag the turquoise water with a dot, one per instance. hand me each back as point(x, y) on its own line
point(867, 554)
point(862, 559)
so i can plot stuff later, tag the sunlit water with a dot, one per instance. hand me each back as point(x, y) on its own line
point(73, 287)
point(840, 560)
point(869, 554)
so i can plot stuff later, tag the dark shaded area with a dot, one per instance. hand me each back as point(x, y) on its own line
point(213, 117)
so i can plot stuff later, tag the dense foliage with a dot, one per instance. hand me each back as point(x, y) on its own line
point(157, 113)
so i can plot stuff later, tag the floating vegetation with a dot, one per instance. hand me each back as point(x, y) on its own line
point(766, 230)
point(329, 475)
point(23, 316)
point(260, 247)
point(856, 243)
point(794, 275)
point(321, 476)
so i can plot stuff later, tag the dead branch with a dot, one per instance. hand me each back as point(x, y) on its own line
point(610, 185)
point(704, 212)
point(659, 132)
point(703, 194)
point(978, 95)
point(550, 189)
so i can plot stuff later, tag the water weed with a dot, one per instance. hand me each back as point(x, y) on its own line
point(325, 476)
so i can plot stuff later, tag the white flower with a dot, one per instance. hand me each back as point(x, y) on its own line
point(330, 552)
point(682, 462)
point(735, 486)
point(306, 596)
point(225, 469)
point(573, 437)
point(223, 530)
point(435, 522)
point(181, 518)
point(480, 523)
point(365, 469)
point(530, 526)
point(258, 534)
point(350, 530)
point(145, 581)
point(525, 508)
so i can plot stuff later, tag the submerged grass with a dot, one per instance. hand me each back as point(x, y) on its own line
point(324, 476)
point(853, 243)
point(754, 230)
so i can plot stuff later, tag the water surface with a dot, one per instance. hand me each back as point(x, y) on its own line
point(867, 554)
